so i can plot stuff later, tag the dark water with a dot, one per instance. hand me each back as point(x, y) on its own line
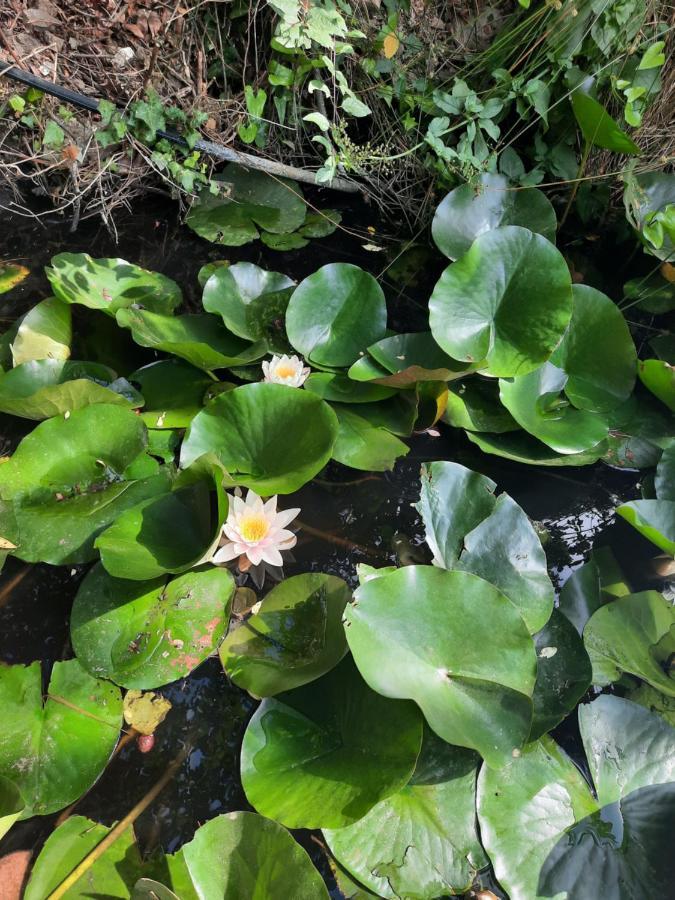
point(209, 714)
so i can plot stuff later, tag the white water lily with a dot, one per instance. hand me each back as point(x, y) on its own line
point(285, 369)
point(256, 530)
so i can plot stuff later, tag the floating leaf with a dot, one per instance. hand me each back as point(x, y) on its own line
point(145, 712)
point(415, 634)
point(110, 284)
point(255, 432)
point(144, 634)
point(248, 298)
point(11, 804)
point(295, 636)
point(324, 754)
point(248, 199)
point(470, 210)
point(421, 841)
point(474, 405)
point(590, 586)
point(43, 333)
point(404, 359)
point(546, 834)
point(201, 340)
point(335, 313)
point(340, 389)
point(659, 377)
point(361, 445)
point(508, 301)
point(655, 702)
point(55, 749)
point(634, 634)
point(598, 127)
point(173, 391)
point(321, 223)
point(523, 448)
point(11, 274)
point(654, 519)
point(468, 528)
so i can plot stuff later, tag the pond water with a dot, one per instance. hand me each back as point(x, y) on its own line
point(362, 518)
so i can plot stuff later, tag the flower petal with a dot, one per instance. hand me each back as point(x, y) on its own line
point(272, 556)
point(285, 517)
point(255, 554)
point(225, 554)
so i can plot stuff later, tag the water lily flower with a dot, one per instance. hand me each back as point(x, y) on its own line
point(256, 531)
point(285, 369)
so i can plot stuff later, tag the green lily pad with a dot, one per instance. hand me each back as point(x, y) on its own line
point(248, 199)
point(564, 673)
point(654, 519)
point(415, 634)
point(321, 223)
point(470, 210)
point(508, 301)
point(664, 479)
point(248, 298)
point(335, 314)
point(597, 353)
point(149, 889)
point(110, 284)
point(422, 841)
point(173, 391)
point(111, 876)
point(44, 333)
point(240, 854)
point(324, 754)
point(405, 359)
point(536, 402)
point(468, 528)
point(659, 377)
point(598, 127)
point(50, 387)
point(546, 834)
point(256, 430)
point(340, 389)
point(70, 478)
point(11, 804)
point(474, 405)
point(521, 447)
point(655, 702)
point(361, 445)
point(295, 637)
point(633, 634)
point(284, 242)
point(55, 749)
point(201, 340)
point(596, 582)
point(144, 634)
point(11, 274)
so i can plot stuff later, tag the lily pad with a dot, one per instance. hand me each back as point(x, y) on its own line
point(406, 359)
point(255, 431)
point(633, 634)
point(173, 391)
point(564, 673)
point(240, 855)
point(361, 445)
point(248, 298)
point(247, 199)
point(508, 301)
point(422, 841)
point(11, 274)
point(468, 528)
point(596, 353)
point(546, 834)
point(655, 702)
point(43, 333)
point(144, 634)
point(70, 478)
point(521, 447)
point(415, 634)
point(55, 749)
point(659, 377)
point(475, 406)
point(201, 340)
point(324, 754)
point(50, 387)
point(110, 284)
point(335, 314)
point(470, 210)
point(340, 389)
point(295, 637)
point(596, 582)
point(654, 519)
point(11, 804)
point(537, 403)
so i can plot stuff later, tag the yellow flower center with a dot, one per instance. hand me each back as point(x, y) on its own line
point(253, 527)
point(285, 371)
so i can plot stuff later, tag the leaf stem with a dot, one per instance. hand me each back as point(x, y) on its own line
point(575, 187)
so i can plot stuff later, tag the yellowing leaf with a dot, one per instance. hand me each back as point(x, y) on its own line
point(145, 711)
point(11, 275)
point(390, 45)
point(668, 271)
point(6, 545)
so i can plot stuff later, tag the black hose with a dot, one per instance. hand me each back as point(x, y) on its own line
point(63, 93)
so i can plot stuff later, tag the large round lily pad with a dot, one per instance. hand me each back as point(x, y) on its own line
point(110, 284)
point(247, 297)
point(363, 445)
point(335, 314)
point(144, 634)
point(295, 637)
point(470, 210)
point(321, 756)
point(547, 835)
point(54, 749)
point(241, 855)
point(422, 841)
point(421, 633)
point(269, 437)
point(508, 301)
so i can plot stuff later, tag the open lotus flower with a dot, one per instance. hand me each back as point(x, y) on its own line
point(256, 530)
point(285, 370)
